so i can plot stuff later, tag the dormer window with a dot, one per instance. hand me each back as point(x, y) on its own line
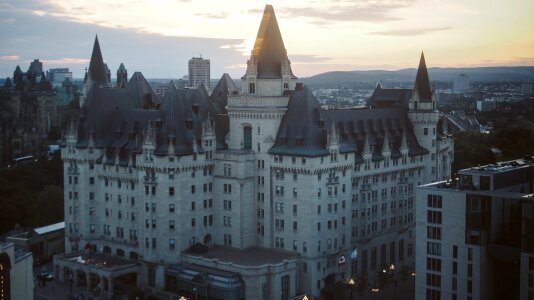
point(252, 88)
point(189, 123)
point(286, 86)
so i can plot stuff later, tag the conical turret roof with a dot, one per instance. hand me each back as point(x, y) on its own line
point(122, 69)
point(269, 49)
point(97, 69)
point(422, 82)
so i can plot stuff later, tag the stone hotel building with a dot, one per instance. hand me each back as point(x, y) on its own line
point(256, 193)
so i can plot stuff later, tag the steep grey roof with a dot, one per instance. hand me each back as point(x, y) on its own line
point(117, 118)
point(219, 99)
point(462, 121)
point(219, 95)
point(97, 69)
point(300, 131)
point(374, 126)
point(142, 91)
point(269, 49)
point(303, 131)
point(422, 82)
point(383, 98)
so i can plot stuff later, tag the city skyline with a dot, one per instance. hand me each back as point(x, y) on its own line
point(159, 38)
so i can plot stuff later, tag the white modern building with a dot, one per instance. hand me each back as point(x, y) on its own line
point(461, 83)
point(251, 194)
point(199, 72)
point(475, 235)
point(58, 75)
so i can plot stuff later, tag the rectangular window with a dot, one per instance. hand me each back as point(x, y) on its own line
point(434, 217)
point(433, 248)
point(434, 201)
point(171, 191)
point(251, 88)
point(433, 233)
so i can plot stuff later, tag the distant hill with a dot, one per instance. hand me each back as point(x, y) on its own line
point(436, 74)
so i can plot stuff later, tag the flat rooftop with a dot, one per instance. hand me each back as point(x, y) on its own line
point(97, 260)
point(246, 257)
point(501, 167)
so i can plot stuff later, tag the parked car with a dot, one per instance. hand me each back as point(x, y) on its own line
point(46, 276)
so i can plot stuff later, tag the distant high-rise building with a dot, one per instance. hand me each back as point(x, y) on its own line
point(58, 75)
point(527, 88)
point(475, 236)
point(461, 83)
point(199, 72)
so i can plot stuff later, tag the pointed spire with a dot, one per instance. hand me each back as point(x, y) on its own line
point(122, 68)
point(422, 82)
point(91, 143)
point(366, 147)
point(97, 69)
point(404, 141)
point(386, 147)
point(332, 135)
point(269, 51)
point(170, 147)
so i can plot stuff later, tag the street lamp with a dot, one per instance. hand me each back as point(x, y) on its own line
point(182, 298)
point(375, 291)
point(71, 281)
point(351, 285)
point(305, 297)
point(392, 270)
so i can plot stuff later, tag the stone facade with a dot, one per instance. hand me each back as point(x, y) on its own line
point(240, 186)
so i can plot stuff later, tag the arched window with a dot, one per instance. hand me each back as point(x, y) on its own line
point(247, 137)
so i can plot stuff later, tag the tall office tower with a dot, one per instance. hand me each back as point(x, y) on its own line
point(199, 72)
point(251, 194)
point(58, 75)
point(461, 83)
point(475, 235)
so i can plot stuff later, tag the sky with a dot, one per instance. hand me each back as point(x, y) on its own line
point(158, 37)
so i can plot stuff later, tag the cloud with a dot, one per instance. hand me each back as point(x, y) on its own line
point(377, 11)
point(10, 57)
point(308, 59)
point(218, 16)
point(66, 60)
point(408, 32)
point(7, 20)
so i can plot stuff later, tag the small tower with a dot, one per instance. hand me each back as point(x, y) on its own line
point(268, 69)
point(422, 96)
point(122, 76)
point(424, 117)
point(96, 74)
